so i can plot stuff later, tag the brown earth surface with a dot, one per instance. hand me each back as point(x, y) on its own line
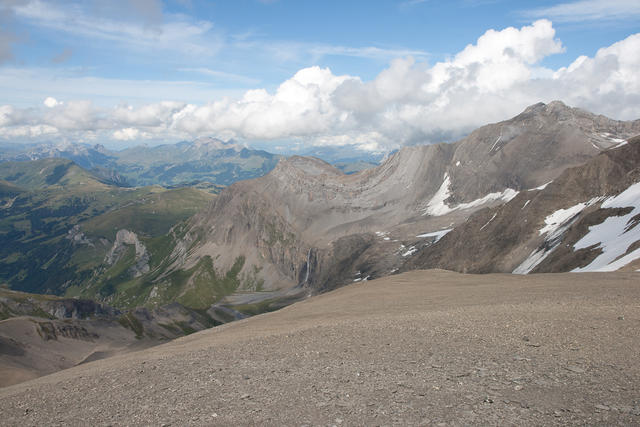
point(419, 348)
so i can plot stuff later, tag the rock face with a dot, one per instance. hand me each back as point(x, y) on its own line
point(126, 238)
point(41, 334)
point(13, 304)
point(585, 220)
point(306, 224)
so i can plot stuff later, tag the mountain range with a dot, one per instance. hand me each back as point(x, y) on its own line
point(307, 225)
point(554, 189)
point(186, 163)
point(206, 162)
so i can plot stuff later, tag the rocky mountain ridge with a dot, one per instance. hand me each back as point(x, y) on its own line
point(204, 160)
point(306, 224)
point(563, 226)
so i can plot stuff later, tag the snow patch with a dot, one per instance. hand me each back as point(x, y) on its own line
point(559, 217)
point(458, 163)
point(525, 204)
point(542, 187)
point(618, 141)
point(497, 140)
point(437, 234)
point(492, 218)
point(412, 250)
point(555, 225)
point(535, 258)
point(615, 234)
point(438, 207)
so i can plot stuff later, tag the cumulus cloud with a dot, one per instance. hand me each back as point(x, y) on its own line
point(130, 134)
point(409, 102)
point(51, 102)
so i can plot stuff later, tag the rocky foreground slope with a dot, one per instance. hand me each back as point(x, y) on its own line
point(424, 347)
point(41, 334)
point(306, 224)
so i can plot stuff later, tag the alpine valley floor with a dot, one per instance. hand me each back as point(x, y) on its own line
point(418, 348)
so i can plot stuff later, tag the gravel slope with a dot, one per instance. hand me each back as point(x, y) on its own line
point(424, 347)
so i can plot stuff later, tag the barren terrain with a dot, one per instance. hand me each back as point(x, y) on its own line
point(423, 347)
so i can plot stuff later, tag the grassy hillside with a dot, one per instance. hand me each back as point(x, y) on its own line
point(148, 165)
point(58, 221)
point(205, 160)
point(66, 232)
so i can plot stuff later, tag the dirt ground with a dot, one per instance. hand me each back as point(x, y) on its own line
point(420, 348)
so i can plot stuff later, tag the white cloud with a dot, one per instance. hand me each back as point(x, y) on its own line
point(130, 134)
point(105, 21)
point(35, 131)
point(306, 52)
point(589, 10)
point(370, 52)
point(51, 102)
point(408, 102)
point(150, 115)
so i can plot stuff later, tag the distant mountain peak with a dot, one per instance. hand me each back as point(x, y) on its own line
point(209, 143)
point(308, 165)
point(554, 107)
point(100, 149)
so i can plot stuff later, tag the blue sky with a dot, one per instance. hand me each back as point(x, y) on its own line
point(126, 72)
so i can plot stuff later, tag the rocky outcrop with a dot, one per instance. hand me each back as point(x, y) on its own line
point(13, 303)
point(77, 237)
point(123, 239)
point(71, 308)
point(53, 330)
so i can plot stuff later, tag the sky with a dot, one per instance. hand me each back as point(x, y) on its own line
point(372, 74)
